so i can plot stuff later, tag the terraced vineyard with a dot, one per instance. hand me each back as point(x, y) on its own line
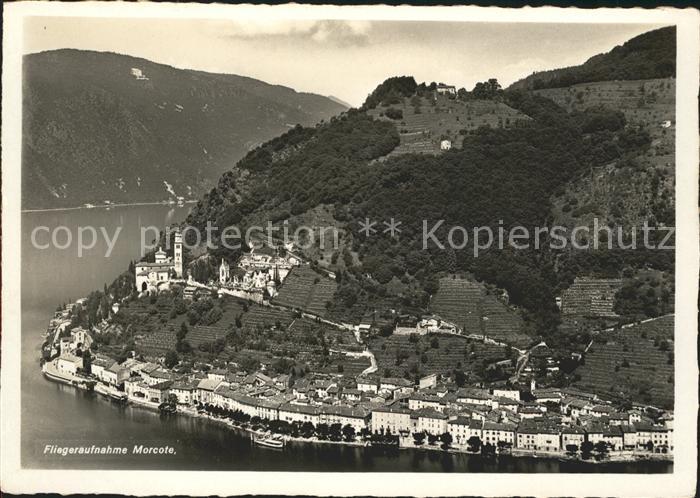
point(403, 354)
point(157, 342)
point(334, 338)
point(593, 297)
point(626, 196)
point(150, 324)
point(347, 365)
point(306, 290)
point(642, 101)
point(636, 363)
point(265, 317)
point(200, 334)
point(466, 304)
point(445, 118)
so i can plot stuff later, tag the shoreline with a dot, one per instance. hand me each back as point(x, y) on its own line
point(513, 453)
point(107, 206)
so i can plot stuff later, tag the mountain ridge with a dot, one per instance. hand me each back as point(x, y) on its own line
point(649, 55)
point(106, 126)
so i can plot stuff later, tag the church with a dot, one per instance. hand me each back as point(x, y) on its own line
point(150, 276)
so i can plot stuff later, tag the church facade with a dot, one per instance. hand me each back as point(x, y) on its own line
point(150, 276)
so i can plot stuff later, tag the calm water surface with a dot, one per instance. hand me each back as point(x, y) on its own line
point(60, 415)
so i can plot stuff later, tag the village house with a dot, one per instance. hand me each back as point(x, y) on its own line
point(428, 381)
point(418, 401)
point(473, 396)
point(115, 374)
point(595, 432)
point(217, 374)
point(292, 412)
point(494, 433)
point(430, 421)
point(538, 437)
point(513, 394)
point(601, 411)
point(531, 412)
point(64, 345)
point(463, 428)
point(391, 419)
point(366, 384)
point(98, 365)
point(205, 390)
point(80, 339)
point(185, 390)
point(396, 385)
point(301, 389)
point(629, 437)
point(618, 418)
point(575, 407)
point(660, 437)
point(357, 417)
point(547, 396)
point(69, 364)
point(572, 435)
point(614, 437)
point(156, 375)
point(351, 394)
point(501, 403)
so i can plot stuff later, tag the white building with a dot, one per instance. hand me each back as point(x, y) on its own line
point(507, 393)
point(445, 145)
point(446, 89)
point(149, 276)
point(69, 364)
point(428, 381)
point(463, 428)
point(391, 419)
point(358, 418)
point(493, 433)
point(430, 421)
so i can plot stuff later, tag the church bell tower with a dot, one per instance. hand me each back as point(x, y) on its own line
point(177, 253)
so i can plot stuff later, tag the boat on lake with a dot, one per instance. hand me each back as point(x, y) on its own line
point(275, 442)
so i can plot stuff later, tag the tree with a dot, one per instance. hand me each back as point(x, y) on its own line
point(503, 445)
point(460, 378)
point(307, 429)
point(335, 432)
point(601, 447)
point(571, 449)
point(418, 438)
point(87, 361)
point(349, 432)
point(171, 359)
point(322, 431)
point(446, 439)
point(474, 444)
point(488, 449)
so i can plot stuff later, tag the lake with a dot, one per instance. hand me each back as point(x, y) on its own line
point(54, 414)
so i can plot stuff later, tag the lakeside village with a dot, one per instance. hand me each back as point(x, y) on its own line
point(365, 409)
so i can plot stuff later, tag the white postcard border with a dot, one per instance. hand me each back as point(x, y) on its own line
point(681, 483)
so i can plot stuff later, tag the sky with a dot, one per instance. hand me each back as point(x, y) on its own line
point(345, 59)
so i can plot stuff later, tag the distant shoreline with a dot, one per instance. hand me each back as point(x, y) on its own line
point(104, 206)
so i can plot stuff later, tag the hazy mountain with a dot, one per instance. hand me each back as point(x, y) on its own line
point(647, 56)
point(103, 126)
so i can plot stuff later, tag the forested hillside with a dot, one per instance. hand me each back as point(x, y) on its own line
point(647, 56)
point(103, 126)
point(495, 177)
